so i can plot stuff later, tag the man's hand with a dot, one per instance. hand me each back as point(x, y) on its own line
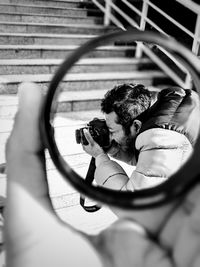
point(92, 148)
point(34, 235)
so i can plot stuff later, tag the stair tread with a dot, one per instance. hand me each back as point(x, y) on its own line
point(81, 76)
point(86, 61)
point(42, 14)
point(46, 7)
point(47, 35)
point(63, 47)
point(62, 1)
point(70, 1)
point(8, 100)
point(65, 1)
point(12, 100)
point(69, 25)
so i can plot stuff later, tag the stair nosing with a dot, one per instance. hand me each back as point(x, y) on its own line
point(84, 61)
point(46, 15)
point(12, 100)
point(63, 47)
point(49, 7)
point(67, 1)
point(5, 79)
point(68, 25)
point(47, 35)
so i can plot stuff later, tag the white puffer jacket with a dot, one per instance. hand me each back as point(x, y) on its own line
point(161, 153)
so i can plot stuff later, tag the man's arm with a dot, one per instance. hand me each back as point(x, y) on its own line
point(117, 153)
point(108, 172)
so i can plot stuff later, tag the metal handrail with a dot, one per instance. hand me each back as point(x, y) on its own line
point(190, 5)
point(109, 17)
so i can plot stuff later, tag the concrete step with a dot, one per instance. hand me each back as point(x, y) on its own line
point(46, 66)
point(80, 103)
point(53, 10)
point(43, 39)
point(51, 3)
point(22, 27)
point(13, 38)
point(72, 100)
point(60, 51)
point(45, 18)
point(80, 81)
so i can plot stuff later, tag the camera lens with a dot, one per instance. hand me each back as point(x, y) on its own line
point(78, 136)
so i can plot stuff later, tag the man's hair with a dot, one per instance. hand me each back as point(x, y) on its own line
point(128, 101)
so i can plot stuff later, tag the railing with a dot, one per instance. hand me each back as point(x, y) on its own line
point(112, 11)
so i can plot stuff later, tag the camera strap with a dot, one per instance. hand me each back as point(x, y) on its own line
point(89, 179)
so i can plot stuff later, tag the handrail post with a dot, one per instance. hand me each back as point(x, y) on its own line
point(188, 81)
point(107, 12)
point(195, 49)
point(145, 7)
point(195, 45)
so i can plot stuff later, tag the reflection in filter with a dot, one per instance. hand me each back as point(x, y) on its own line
point(167, 136)
point(64, 132)
point(165, 141)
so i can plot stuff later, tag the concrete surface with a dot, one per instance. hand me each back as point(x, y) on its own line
point(65, 198)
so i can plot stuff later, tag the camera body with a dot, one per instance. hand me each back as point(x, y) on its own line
point(99, 132)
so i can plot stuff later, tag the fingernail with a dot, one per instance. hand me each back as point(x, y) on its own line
point(21, 89)
point(27, 93)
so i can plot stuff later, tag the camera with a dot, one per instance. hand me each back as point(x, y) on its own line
point(98, 130)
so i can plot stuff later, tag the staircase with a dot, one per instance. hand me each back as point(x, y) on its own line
point(35, 36)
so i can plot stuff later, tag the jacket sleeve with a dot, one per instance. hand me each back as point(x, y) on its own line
point(116, 153)
point(162, 153)
point(109, 173)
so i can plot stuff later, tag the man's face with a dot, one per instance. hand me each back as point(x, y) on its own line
point(117, 132)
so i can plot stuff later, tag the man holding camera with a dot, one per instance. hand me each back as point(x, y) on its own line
point(40, 238)
point(153, 132)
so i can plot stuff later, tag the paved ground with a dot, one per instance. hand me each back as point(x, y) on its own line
point(64, 197)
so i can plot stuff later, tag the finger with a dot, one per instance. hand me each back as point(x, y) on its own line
point(32, 230)
point(151, 219)
point(89, 137)
point(26, 126)
point(184, 225)
point(24, 151)
point(123, 235)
